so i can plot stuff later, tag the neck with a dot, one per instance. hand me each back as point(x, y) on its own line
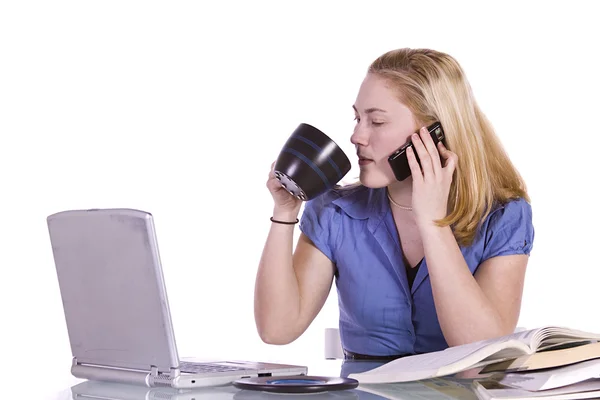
point(401, 192)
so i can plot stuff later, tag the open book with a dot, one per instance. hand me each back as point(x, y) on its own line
point(459, 358)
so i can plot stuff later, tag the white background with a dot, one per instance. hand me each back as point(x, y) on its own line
point(179, 108)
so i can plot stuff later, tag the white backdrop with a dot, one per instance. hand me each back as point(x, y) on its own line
point(179, 108)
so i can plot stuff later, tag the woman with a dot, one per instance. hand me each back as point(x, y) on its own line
point(432, 261)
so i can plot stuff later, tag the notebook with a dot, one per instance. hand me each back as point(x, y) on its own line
point(116, 307)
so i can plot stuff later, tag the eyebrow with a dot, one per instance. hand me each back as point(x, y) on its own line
point(370, 110)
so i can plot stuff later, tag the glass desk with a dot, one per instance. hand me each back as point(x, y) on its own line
point(436, 389)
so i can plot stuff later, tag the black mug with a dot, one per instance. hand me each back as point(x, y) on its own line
point(310, 163)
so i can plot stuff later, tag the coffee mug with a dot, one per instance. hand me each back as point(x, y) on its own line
point(310, 163)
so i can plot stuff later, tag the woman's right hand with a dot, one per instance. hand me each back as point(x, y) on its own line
point(285, 203)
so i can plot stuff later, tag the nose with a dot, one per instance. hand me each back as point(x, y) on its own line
point(360, 136)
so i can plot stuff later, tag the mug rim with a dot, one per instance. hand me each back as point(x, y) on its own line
point(327, 136)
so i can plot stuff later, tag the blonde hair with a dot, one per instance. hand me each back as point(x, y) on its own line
point(434, 87)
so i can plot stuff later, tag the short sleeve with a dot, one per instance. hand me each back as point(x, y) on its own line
point(319, 222)
point(509, 230)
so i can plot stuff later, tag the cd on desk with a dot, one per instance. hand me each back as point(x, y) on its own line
point(296, 384)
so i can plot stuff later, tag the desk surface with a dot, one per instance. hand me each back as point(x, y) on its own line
point(438, 389)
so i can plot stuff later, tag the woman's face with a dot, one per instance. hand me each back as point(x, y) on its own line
point(383, 124)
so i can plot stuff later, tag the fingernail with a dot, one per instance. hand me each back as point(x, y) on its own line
point(415, 136)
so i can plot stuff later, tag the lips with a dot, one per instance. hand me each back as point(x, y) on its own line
point(363, 160)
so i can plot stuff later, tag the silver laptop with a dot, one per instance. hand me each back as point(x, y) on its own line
point(116, 307)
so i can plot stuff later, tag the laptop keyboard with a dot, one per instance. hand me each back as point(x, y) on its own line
point(194, 367)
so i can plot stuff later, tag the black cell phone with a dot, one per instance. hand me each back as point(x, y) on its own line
point(398, 160)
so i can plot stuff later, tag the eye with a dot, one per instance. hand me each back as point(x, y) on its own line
point(375, 123)
point(356, 118)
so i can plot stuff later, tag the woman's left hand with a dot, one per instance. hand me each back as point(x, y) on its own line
point(431, 180)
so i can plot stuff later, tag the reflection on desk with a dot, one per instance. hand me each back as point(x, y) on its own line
point(357, 366)
point(438, 389)
point(339, 395)
point(449, 388)
point(119, 391)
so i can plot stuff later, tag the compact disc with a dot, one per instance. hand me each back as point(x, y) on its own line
point(296, 384)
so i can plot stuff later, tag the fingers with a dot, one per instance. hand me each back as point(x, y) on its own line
point(273, 184)
point(424, 157)
point(433, 151)
point(415, 170)
point(432, 155)
point(450, 158)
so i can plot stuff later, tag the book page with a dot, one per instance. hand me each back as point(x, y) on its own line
point(552, 336)
point(527, 337)
point(553, 378)
point(429, 365)
point(428, 361)
point(547, 359)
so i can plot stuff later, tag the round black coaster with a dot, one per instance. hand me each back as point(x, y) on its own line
point(296, 384)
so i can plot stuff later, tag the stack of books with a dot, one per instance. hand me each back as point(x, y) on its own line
point(545, 363)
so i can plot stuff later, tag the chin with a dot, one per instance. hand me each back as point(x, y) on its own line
point(373, 180)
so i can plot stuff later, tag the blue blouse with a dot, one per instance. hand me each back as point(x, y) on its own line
point(379, 313)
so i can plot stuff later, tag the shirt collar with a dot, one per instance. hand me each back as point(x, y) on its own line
point(360, 202)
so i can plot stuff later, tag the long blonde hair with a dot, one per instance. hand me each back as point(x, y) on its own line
point(434, 87)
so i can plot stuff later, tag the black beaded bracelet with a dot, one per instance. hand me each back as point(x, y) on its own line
point(284, 222)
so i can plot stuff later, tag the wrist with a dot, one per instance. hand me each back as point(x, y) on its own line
point(430, 227)
point(285, 215)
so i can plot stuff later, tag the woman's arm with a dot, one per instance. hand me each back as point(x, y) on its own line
point(469, 308)
point(472, 308)
point(289, 291)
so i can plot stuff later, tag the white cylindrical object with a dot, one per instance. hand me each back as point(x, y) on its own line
point(333, 344)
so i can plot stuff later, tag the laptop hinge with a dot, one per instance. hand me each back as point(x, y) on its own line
point(173, 373)
point(157, 378)
point(103, 373)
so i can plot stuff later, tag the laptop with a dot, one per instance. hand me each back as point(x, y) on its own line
point(116, 307)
